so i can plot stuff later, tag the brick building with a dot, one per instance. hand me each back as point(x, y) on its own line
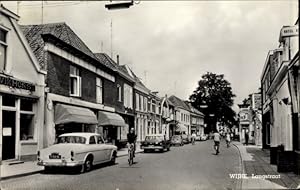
point(81, 91)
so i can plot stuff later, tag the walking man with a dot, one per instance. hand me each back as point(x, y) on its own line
point(216, 137)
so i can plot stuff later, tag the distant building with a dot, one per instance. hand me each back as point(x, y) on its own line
point(245, 122)
point(182, 115)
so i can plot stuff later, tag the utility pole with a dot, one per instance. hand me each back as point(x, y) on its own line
point(42, 12)
point(145, 77)
point(101, 46)
point(18, 7)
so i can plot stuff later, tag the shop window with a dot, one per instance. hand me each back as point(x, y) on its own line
point(26, 105)
point(75, 81)
point(3, 47)
point(26, 126)
point(8, 100)
point(99, 90)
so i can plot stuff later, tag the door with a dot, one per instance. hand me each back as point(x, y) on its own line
point(9, 134)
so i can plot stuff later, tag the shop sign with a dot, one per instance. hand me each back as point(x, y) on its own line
point(16, 84)
point(288, 32)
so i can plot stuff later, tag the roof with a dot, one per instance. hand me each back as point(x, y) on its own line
point(106, 60)
point(193, 109)
point(177, 102)
point(61, 31)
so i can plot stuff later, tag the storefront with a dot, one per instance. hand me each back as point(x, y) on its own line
point(21, 93)
point(112, 126)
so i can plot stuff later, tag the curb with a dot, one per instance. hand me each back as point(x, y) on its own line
point(21, 175)
point(39, 171)
point(240, 185)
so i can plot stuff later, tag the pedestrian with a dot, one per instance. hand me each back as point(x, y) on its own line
point(246, 138)
point(193, 138)
point(216, 137)
point(228, 139)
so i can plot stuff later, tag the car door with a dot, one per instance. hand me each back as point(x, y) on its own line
point(96, 149)
point(105, 151)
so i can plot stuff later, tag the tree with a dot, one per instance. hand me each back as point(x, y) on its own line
point(215, 93)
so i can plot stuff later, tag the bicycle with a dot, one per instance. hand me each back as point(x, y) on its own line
point(130, 153)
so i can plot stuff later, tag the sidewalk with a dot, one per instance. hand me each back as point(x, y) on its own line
point(260, 173)
point(8, 171)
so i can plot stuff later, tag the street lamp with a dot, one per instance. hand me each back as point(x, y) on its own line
point(122, 5)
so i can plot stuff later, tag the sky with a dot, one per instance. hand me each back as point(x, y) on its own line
point(171, 44)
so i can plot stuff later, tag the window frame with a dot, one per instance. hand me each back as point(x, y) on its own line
point(78, 78)
point(5, 46)
point(99, 85)
point(119, 91)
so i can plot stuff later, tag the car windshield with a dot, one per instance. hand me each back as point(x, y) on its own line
point(71, 139)
point(154, 138)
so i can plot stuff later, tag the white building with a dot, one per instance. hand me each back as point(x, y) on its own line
point(22, 85)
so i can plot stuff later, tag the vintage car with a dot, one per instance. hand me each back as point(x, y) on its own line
point(155, 142)
point(204, 137)
point(82, 150)
point(186, 138)
point(176, 140)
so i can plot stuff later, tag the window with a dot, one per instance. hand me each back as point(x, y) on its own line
point(137, 101)
point(99, 90)
point(92, 140)
point(128, 96)
point(141, 103)
point(100, 140)
point(145, 104)
point(75, 81)
point(3, 47)
point(119, 89)
point(26, 120)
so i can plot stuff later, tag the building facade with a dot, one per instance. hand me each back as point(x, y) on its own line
point(80, 91)
point(182, 115)
point(22, 84)
point(281, 95)
point(196, 120)
point(245, 123)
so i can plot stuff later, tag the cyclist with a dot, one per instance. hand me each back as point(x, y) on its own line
point(131, 138)
point(217, 141)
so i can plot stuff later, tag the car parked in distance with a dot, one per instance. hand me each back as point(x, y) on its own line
point(186, 138)
point(198, 138)
point(81, 150)
point(204, 137)
point(176, 140)
point(155, 142)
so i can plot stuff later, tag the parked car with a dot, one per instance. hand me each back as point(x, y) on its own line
point(177, 140)
point(186, 138)
point(198, 138)
point(81, 150)
point(155, 142)
point(204, 137)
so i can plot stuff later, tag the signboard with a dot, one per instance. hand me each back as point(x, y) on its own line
point(7, 132)
point(16, 84)
point(288, 31)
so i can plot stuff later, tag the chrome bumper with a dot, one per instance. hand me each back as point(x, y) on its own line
point(60, 163)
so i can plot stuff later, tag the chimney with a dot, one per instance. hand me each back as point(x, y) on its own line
point(118, 60)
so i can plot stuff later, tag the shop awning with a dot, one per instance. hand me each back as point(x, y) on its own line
point(108, 118)
point(68, 114)
point(181, 127)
